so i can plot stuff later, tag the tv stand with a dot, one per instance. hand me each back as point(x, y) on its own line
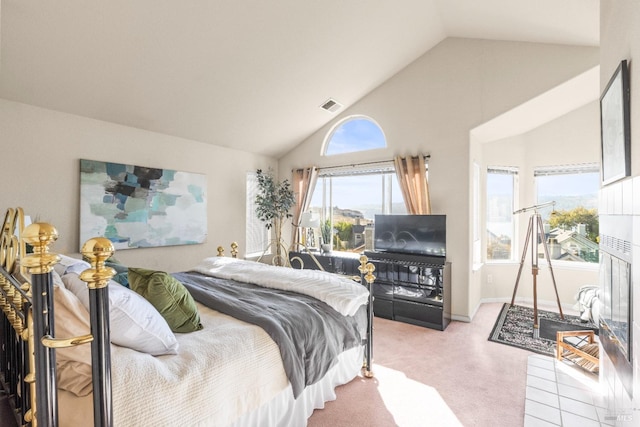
point(411, 288)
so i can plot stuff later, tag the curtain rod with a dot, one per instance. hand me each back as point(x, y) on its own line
point(380, 162)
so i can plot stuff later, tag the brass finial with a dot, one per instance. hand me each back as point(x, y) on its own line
point(363, 262)
point(220, 251)
point(40, 235)
point(234, 250)
point(369, 277)
point(97, 250)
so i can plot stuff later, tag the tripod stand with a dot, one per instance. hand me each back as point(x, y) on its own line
point(535, 234)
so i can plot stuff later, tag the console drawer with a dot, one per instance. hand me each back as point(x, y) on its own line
point(419, 314)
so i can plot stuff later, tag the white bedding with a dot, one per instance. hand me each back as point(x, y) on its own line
point(339, 292)
point(228, 373)
point(209, 380)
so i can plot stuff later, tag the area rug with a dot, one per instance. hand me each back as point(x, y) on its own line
point(514, 327)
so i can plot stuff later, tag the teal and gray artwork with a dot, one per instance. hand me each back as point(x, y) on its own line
point(136, 206)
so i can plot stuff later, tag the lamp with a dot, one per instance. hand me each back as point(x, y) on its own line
point(308, 221)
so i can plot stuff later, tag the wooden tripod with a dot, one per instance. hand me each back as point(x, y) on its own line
point(535, 234)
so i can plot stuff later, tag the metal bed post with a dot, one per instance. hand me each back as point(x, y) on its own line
point(97, 251)
point(42, 375)
point(366, 276)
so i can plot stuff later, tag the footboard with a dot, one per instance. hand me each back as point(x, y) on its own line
point(27, 329)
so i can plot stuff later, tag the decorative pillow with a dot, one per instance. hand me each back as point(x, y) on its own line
point(122, 272)
point(134, 322)
point(168, 296)
point(73, 363)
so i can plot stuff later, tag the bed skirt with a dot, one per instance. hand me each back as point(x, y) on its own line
point(282, 410)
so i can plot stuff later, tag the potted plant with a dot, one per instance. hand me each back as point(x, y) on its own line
point(325, 234)
point(273, 203)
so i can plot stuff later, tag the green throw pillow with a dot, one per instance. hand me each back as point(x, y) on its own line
point(168, 296)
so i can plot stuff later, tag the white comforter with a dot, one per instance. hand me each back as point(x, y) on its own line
point(223, 372)
point(341, 293)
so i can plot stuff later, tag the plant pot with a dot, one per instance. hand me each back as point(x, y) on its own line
point(326, 248)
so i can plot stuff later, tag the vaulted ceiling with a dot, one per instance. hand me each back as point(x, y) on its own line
point(247, 74)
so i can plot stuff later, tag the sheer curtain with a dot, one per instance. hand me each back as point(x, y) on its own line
point(412, 178)
point(304, 182)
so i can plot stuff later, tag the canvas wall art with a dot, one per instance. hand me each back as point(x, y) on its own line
point(137, 206)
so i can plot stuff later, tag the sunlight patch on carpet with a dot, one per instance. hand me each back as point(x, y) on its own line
point(412, 403)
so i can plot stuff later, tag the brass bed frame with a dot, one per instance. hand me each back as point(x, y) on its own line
point(27, 330)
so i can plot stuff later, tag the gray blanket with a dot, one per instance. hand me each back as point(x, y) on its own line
point(309, 333)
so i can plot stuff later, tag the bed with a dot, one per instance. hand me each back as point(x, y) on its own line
point(216, 345)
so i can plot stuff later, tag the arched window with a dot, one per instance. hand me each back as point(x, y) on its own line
point(355, 133)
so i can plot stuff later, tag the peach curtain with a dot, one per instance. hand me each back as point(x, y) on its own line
point(412, 177)
point(304, 182)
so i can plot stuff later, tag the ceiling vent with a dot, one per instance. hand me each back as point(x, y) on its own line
point(331, 105)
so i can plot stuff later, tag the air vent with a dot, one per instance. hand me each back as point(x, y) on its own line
point(331, 105)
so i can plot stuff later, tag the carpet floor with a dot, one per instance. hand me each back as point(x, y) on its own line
point(425, 377)
point(514, 326)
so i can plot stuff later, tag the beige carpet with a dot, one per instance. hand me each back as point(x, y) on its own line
point(435, 378)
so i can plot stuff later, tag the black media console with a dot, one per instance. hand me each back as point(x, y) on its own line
point(408, 288)
point(413, 289)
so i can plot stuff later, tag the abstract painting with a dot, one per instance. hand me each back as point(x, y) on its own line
point(138, 207)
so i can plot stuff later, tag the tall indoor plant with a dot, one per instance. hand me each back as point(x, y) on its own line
point(273, 204)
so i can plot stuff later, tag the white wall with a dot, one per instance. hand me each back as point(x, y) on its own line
point(431, 106)
point(41, 173)
point(620, 39)
point(571, 139)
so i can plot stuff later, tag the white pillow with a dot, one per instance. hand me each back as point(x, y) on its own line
point(70, 265)
point(135, 323)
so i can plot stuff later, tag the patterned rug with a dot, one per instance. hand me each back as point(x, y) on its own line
point(514, 327)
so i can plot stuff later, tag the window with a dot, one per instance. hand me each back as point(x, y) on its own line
point(257, 233)
point(501, 190)
point(477, 243)
point(350, 197)
point(355, 133)
point(572, 225)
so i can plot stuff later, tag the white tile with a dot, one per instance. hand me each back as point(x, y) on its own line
point(572, 420)
point(604, 417)
point(543, 412)
point(617, 198)
point(542, 396)
point(542, 384)
point(636, 195)
point(575, 393)
point(586, 410)
point(540, 361)
point(530, 421)
point(627, 197)
point(577, 379)
point(542, 373)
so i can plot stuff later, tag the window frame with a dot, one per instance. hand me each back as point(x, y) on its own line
point(336, 127)
point(252, 223)
point(569, 169)
point(513, 171)
point(384, 169)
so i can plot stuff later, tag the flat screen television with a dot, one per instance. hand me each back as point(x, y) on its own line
point(411, 234)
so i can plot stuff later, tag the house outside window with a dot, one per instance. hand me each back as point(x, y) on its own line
point(502, 183)
point(571, 227)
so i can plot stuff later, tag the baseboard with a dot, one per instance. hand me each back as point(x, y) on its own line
point(542, 304)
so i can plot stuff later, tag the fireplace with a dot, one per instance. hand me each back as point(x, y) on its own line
point(615, 282)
